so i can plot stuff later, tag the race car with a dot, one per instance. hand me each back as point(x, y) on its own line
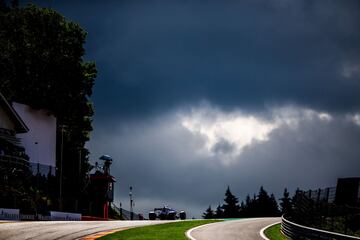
point(166, 213)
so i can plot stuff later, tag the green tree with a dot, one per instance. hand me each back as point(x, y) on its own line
point(298, 206)
point(230, 207)
point(209, 213)
point(219, 212)
point(42, 65)
point(273, 206)
point(3, 7)
point(14, 3)
point(286, 203)
point(266, 206)
point(248, 207)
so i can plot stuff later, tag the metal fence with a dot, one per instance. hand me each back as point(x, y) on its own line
point(322, 195)
point(8, 161)
point(125, 214)
point(296, 231)
point(317, 209)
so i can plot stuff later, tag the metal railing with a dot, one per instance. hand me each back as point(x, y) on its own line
point(125, 214)
point(317, 209)
point(322, 195)
point(14, 161)
point(296, 231)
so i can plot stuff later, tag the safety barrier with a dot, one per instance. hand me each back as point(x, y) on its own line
point(296, 231)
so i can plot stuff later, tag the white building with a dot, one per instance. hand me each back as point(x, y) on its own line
point(40, 140)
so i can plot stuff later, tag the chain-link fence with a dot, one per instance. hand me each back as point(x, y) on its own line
point(318, 209)
point(125, 214)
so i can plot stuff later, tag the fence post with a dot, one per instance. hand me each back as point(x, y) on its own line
point(121, 212)
point(327, 194)
point(346, 221)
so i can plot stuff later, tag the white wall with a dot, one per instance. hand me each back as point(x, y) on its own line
point(42, 130)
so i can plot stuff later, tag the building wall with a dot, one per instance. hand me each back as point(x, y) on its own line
point(5, 121)
point(40, 141)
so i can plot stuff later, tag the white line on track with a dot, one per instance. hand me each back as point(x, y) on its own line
point(262, 234)
point(188, 232)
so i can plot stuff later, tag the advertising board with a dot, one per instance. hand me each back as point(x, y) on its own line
point(64, 216)
point(9, 214)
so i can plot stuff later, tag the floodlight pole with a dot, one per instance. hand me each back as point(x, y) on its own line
point(61, 168)
point(121, 212)
point(131, 204)
point(79, 182)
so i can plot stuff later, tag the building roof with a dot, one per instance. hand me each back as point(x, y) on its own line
point(20, 126)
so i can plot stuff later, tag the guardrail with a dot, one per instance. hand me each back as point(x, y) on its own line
point(296, 231)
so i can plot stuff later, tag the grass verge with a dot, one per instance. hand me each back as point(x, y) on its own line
point(273, 233)
point(174, 231)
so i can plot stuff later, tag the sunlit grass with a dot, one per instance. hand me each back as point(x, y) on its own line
point(173, 231)
point(274, 233)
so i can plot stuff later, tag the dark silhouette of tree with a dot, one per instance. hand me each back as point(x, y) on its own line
point(230, 207)
point(42, 65)
point(261, 205)
point(209, 213)
point(246, 209)
point(219, 212)
point(266, 205)
point(14, 3)
point(242, 209)
point(3, 6)
point(298, 207)
point(286, 203)
point(273, 206)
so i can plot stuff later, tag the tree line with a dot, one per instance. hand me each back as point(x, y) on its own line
point(42, 65)
point(260, 205)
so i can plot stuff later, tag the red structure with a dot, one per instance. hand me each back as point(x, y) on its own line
point(101, 189)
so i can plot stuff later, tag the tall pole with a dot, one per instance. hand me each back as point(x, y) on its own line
point(79, 184)
point(131, 204)
point(79, 167)
point(61, 167)
point(121, 212)
point(38, 166)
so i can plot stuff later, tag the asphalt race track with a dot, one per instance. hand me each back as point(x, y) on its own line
point(243, 229)
point(63, 229)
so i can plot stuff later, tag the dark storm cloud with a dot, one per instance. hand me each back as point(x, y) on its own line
point(157, 58)
point(161, 160)
point(155, 55)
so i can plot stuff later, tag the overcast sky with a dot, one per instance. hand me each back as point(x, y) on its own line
point(193, 96)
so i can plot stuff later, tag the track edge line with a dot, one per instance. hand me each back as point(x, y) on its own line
point(188, 232)
point(262, 234)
